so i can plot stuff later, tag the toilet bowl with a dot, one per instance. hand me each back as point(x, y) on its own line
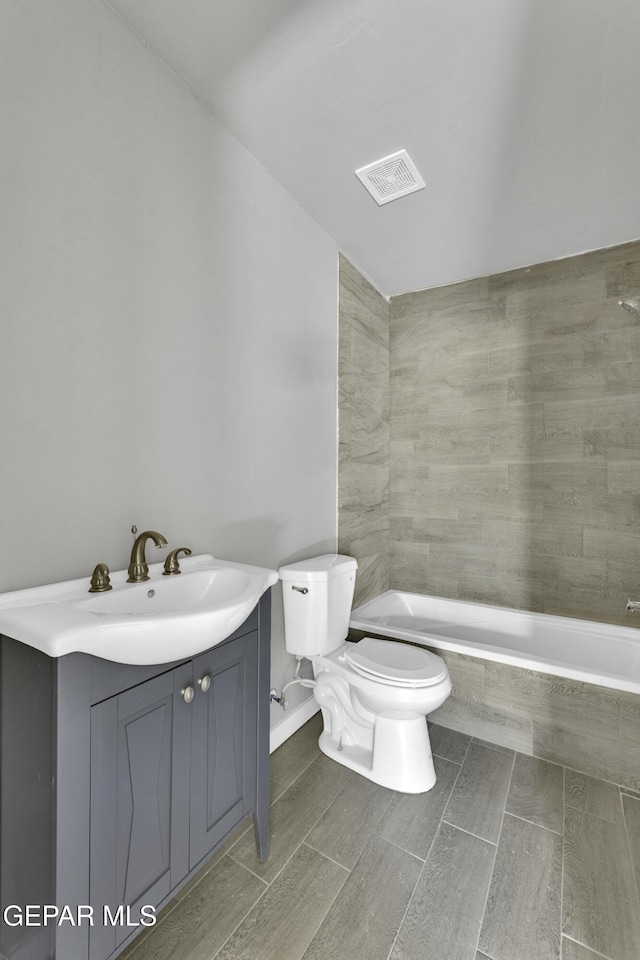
point(376, 724)
point(374, 694)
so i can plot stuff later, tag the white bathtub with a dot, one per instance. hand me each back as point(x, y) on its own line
point(597, 653)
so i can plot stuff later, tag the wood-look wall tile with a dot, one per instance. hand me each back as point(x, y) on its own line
point(478, 797)
point(622, 477)
point(600, 905)
point(522, 916)
point(538, 358)
point(467, 675)
point(551, 300)
point(437, 924)
point(536, 792)
point(595, 755)
point(576, 383)
point(612, 544)
point(452, 450)
point(502, 505)
point(601, 413)
point(448, 532)
point(297, 901)
point(596, 509)
point(411, 820)
point(630, 719)
point(623, 278)
point(420, 301)
point(363, 921)
point(368, 440)
point(476, 719)
point(556, 701)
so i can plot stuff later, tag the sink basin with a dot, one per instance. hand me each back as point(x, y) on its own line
point(158, 621)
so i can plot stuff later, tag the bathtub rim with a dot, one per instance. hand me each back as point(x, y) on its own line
point(514, 658)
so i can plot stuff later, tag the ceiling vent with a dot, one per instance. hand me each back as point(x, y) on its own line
point(392, 177)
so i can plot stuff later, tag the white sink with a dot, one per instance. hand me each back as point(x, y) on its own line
point(158, 621)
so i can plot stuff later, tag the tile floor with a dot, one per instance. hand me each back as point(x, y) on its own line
point(507, 858)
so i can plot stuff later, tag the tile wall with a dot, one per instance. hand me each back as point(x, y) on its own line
point(515, 438)
point(363, 415)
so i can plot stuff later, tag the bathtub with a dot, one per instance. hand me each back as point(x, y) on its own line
point(595, 653)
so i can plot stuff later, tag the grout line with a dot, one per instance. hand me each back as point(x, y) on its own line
point(486, 899)
point(448, 823)
point(634, 873)
point(422, 869)
point(326, 856)
point(581, 944)
point(255, 903)
point(556, 833)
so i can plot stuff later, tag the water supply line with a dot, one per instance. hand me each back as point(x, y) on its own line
point(274, 697)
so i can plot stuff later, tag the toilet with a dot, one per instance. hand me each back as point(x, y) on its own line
point(375, 694)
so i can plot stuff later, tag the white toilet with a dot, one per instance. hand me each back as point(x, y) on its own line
point(375, 694)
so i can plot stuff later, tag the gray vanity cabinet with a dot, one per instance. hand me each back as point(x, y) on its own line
point(133, 744)
point(172, 772)
point(132, 776)
point(223, 743)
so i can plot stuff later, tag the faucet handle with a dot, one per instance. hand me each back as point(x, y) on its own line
point(171, 565)
point(100, 581)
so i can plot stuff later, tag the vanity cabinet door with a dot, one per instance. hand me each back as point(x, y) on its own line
point(133, 803)
point(223, 751)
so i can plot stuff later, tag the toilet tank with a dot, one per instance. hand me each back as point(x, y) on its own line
point(317, 596)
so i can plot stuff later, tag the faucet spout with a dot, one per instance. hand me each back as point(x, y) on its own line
point(138, 567)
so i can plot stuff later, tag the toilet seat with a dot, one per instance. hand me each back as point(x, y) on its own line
point(396, 664)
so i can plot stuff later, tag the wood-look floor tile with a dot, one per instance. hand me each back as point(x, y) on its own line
point(522, 916)
point(411, 820)
point(477, 801)
point(445, 913)
point(631, 807)
point(576, 951)
point(285, 919)
point(205, 918)
point(600, 907)
point(536, 792)
point(344, 830)
point(296, 753)
point(292, 817)
point(363, 921)
point(597, 797)
point(448, 744)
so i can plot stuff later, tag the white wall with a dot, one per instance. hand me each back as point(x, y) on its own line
point(169, 318)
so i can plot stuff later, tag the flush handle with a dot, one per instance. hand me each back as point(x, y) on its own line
point(300, 589)
point(205, 683)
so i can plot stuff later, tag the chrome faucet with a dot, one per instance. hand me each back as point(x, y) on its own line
point(633, 606)
point(139, 568)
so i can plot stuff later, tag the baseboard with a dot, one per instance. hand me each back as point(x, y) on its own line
point(292, 722)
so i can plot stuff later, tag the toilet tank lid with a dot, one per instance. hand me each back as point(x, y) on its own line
point(318, 568)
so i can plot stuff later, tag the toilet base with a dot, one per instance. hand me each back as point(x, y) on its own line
point(400, 759)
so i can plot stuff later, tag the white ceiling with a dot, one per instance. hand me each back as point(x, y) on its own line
point(523, 117)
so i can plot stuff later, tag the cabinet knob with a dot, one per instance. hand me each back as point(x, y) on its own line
point(188, 694)
point(205, 682)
